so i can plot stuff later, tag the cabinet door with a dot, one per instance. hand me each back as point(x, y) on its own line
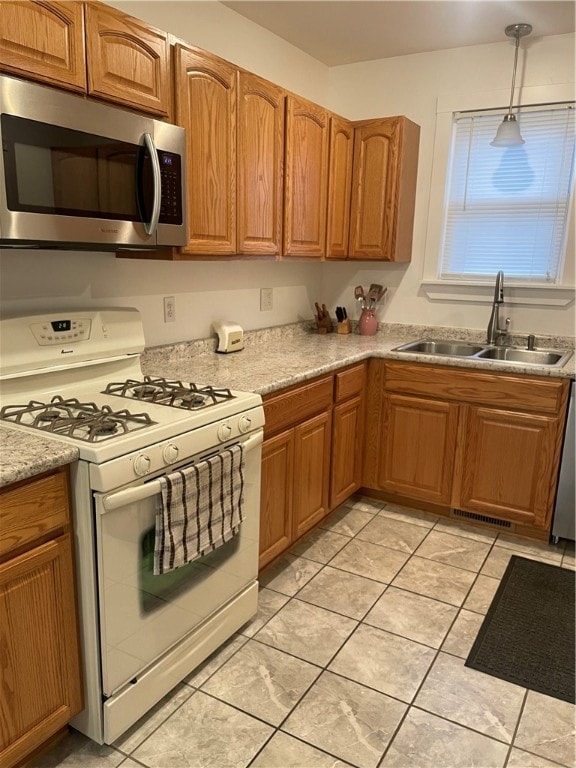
point(339, 187)
point(384, 189)
point(128, 61)
point(509, 465)
point(306, 178)
point(40, 657)
point(418, 447)
point(260, 165)
point(206, 106)
point(347, 437)
point(44, 41)
point(311, 472)
point(276, 496)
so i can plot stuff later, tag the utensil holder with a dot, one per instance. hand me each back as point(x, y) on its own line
point(368, 323)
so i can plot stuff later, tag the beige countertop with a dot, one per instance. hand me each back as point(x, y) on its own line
point(24, 455)
point(272, 359)
point(278, 357)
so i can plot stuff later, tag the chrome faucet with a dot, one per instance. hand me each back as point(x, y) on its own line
point(495, 333)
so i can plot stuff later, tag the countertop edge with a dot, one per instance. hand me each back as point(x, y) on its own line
point(30, 455)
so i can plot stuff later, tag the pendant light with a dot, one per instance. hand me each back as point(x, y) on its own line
point(508, 134)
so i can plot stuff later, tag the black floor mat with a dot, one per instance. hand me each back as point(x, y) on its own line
point(527, 636)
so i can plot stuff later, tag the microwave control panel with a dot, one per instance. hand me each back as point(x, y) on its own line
point(59, 331)
point(171, 181)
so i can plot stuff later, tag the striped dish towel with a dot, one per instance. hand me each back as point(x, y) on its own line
point(201, 509)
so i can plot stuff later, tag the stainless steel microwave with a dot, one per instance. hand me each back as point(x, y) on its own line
point(76, 173)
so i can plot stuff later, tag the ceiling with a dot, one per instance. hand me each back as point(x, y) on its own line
point(347, 31)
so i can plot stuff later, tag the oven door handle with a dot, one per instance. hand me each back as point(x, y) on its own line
point(131, 495)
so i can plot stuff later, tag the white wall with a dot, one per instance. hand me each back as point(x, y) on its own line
point(411, 85)
point(208, 291)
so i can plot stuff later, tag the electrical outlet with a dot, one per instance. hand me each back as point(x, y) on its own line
point(169, 309)
point(266, 302)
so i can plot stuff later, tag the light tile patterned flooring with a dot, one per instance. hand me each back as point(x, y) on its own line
point(356, 658)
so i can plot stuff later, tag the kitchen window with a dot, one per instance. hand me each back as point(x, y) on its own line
point(493, 208)
point(507, 207)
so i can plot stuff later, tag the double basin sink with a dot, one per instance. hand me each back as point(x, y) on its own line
point(549, 357)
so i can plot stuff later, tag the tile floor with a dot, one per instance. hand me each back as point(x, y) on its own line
point(356, 658)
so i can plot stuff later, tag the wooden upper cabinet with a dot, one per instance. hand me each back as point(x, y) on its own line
point(128, 61)
point(339, 187)
point(44, 41)
point(305, 178)
point(384, 189)
point(260, 165)
point(206, 90)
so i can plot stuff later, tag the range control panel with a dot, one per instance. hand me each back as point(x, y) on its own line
point(50, 340)
point(59, 331)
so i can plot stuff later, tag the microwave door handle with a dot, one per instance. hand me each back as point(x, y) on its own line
point(150, 226)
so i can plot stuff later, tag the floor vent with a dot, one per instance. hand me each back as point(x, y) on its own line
point(481, 518)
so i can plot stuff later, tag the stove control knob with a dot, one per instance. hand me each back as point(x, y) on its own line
point(170, 453)
point(142, 464)
point(244, 424)
point(224, 431)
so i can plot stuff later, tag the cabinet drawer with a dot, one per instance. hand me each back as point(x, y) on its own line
point(295, 405)
point(349, 382)
point(31, 510)
point(532, 393)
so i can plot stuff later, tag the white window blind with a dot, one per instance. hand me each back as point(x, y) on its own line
point(507, 207)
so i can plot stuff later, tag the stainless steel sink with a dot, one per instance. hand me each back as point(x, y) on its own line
point(515, 355)
point(448, 348)
point(440, 347)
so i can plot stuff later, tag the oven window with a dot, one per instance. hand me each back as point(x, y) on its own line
point(167, 586)
point(54, 170)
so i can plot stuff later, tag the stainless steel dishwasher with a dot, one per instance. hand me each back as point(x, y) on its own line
point(563, 524)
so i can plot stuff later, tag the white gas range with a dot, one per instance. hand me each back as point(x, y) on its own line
point(75, 376)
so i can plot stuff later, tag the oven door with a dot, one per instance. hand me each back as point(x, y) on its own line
point(143, 616)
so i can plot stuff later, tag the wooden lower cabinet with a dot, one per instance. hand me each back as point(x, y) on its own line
point(311, 473)
point(509, 463)
point(347, 433)
point(419, 445)
point(488, 444)
point(295, 483)
point(40, 686)
point(276, 496)
point(311, 456)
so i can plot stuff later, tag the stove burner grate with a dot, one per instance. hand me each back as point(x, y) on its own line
point(72, 418)
point(175, 394)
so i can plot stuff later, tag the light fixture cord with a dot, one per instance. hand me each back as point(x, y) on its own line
point(514, 71)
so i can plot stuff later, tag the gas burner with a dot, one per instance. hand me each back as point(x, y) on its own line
point(175, 394)
point(192, 399)
point(70, 417)
point(104, 427)
point(49, 416)
point(144, 392)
